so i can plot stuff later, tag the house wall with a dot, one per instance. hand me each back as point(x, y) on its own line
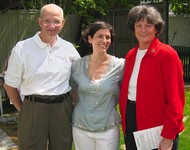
point(179, 31)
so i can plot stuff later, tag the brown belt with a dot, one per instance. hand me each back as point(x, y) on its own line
point(49, 99)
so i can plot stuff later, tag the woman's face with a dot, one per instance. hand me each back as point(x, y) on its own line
point(145, 33)
point(101, 40)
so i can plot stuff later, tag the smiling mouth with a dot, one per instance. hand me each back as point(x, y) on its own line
point(143, 35)
point(51, 30)
point(103, 46)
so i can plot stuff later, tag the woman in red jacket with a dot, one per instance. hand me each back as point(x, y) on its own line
point(152, 90)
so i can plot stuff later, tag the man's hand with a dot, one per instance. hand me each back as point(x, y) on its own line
point(14, 96)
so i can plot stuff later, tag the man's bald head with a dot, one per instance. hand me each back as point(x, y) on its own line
point(51, 7)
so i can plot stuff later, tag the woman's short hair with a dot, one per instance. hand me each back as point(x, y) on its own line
point(94, 27)
point(148, 12)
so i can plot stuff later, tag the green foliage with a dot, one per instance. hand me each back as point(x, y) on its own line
point(87, 9)
point(180, 6)
point(90, 9)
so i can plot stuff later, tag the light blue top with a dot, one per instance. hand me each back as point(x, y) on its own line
point(95, 110)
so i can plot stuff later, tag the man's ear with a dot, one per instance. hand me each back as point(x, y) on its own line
point(40, 21)
point(63, 22)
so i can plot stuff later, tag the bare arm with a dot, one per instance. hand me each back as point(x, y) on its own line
point(14, 96)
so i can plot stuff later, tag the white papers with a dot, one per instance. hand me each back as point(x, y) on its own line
point(148, 139)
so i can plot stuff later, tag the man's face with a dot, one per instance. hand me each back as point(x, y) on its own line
point(51, 22)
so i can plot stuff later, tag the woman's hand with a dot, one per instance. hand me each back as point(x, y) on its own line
point(165, 144)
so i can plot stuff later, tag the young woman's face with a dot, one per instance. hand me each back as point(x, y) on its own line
point(144, 32)
point(101, 40)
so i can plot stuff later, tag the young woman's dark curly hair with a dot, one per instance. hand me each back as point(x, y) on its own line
point(94, 27)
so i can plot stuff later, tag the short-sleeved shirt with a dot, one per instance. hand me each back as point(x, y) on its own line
point(95, 110)
point(37, 68)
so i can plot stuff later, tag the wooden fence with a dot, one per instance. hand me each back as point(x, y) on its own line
point(16, 25)
point(184, 54)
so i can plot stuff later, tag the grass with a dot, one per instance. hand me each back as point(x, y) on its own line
point(184, 139)
point(122, 145)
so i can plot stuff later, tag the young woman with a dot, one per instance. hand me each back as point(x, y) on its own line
point(95, 119)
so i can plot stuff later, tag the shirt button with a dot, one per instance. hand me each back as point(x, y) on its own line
point(96, 103)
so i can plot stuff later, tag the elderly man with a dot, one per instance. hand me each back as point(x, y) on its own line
point(40, 68)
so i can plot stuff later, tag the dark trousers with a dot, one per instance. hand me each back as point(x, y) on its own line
point(131, 126)
point(42, 124)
